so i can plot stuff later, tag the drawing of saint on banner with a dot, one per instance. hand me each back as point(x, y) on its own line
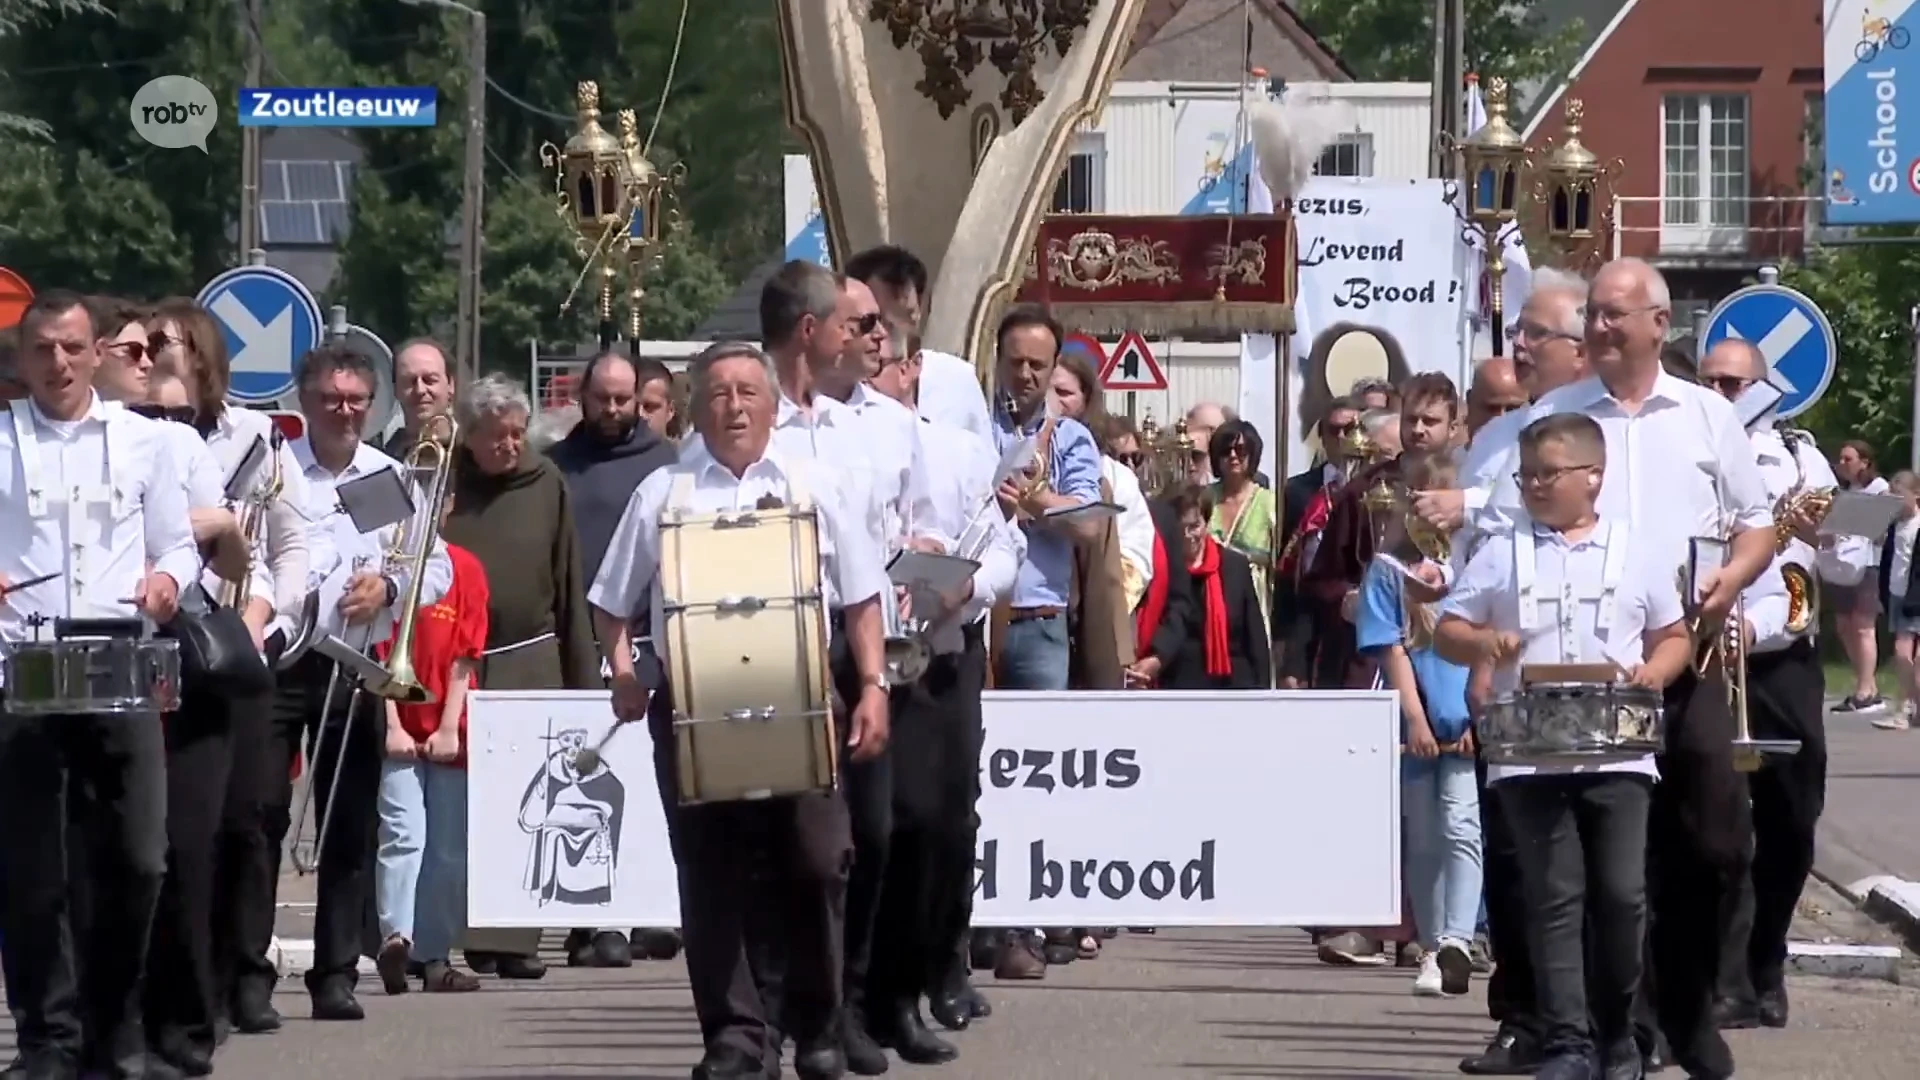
point(1343, 356)
point(574, 819)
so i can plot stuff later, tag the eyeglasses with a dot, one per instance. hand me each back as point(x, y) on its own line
point(159, 340)
point(1535, 334)
point(1548, 477)
point(866, 324)
point(1612, 317)
point(132, 351)
point(1728, 384)
point(179, 414)
point(346, 402)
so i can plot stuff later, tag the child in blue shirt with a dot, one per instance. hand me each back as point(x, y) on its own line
point(1440, 795)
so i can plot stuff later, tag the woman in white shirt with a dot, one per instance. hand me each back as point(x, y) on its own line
point(1899, 588)
point(1856, 604)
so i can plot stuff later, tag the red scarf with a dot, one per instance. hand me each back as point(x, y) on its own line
point(1312, 521)
point(1219, 655)
point(1146, 617)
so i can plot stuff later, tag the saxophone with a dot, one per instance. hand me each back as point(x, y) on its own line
point(1803, 588)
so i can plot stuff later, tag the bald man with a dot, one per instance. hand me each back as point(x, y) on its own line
point(1496, 391)
point(1785, 688)
point(1202, 421)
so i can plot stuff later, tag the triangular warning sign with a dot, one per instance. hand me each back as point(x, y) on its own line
point(1131, 366)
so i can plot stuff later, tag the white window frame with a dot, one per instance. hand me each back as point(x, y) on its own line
point(1091, 145)
point(1701, 220)
point(1361, 143)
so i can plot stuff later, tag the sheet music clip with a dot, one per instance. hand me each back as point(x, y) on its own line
point(360, 666)
point(377, 500)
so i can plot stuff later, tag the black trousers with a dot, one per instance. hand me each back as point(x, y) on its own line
point(867, 787)
point(935, 748)
point(181, 1000)
point(241, 850)
point(1699, 838)
point(763, 890)
point(91, 786)
point(346, 860)
point(1785, 700)
point(1510, 999)
point(1581, 848)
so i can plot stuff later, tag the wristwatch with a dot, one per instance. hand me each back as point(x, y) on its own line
point(393, 591)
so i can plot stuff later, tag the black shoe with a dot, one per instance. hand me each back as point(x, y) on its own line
point(608, 949)
point(1061, 947)
point(726, 1063)
point(907, 1034)
point(1568, 1067)
point(481, 963)
point(578, 947)
point(1731, 1015)
point(819, 1061)
point(950, 1010)
point(520, 967)
point(977, 1003)
point(1509, 1054)
point(1772, 1008)
point(334, 1000)
point(983, 949)
point(863, 1055)
point(254, 1014)
point(1623, 1062)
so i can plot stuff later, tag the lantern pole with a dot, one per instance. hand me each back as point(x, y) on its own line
point(1491, 161)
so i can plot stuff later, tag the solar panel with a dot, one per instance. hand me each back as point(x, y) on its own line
point(318, 180)
point(333, 220)
point(273, 180)
point(283, 222)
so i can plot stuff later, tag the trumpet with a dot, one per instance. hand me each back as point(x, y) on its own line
point(252, 513)
point(1727, 649)
point(1803, 588)
point(432, 453)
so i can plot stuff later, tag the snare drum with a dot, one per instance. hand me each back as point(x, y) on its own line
point(747, 647)
point(102, 675)
point(1573, 724)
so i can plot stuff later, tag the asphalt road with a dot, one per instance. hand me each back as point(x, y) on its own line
point(1190, 1004)
point(1868, 827)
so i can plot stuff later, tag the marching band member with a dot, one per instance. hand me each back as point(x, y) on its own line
point(1567, 586)
point(336, 388)
point(1786, 701)
point(1679, 466)
point(949, 385)
point(91, 495)
point(512, 510)
point(423, 384)
point(936, 745)
point(626, 410)
point(737, 402)
point(190, 346)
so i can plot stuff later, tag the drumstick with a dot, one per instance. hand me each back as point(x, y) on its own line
point(7, 590)
point(588, 759)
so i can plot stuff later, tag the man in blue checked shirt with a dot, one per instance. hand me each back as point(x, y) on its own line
point(1034, 653)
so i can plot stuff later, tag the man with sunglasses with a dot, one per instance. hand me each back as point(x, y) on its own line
point(1785, 695)
point(1307, 498)
point(1679, 468)
point(1496, 391)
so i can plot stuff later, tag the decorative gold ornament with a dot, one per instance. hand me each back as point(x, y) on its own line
point(1244, 263)
point(1164, 455)
point(953, 37)
point(1095, 260)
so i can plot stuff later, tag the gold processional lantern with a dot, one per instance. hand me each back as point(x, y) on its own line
point(613, 198)
point(1164, 455)
point(1505, 183)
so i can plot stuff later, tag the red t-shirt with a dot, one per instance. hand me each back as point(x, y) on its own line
point(453, 629)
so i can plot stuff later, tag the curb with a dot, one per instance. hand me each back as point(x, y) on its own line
point(1891, 900)
point(293, 956)
point(1879, 962)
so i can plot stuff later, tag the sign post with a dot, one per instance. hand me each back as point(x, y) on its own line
point(269, 320)
point(1132, 368)
point(1792, 333)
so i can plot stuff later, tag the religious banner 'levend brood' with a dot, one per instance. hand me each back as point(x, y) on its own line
point(1093, 812)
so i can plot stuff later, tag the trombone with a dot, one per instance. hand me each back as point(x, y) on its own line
point(396, 681)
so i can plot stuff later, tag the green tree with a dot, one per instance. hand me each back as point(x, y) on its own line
point(120, 238)
point(18, 14)
point(1867, 291)
point(1392, 40)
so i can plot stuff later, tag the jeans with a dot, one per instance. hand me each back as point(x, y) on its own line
point(1035, 654)
point(1581, 845)
point(1441, 802)
point(422, 877)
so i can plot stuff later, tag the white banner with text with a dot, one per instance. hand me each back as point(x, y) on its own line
point(1236, 808)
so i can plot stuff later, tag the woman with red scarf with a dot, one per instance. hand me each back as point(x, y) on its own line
point(1226, 647)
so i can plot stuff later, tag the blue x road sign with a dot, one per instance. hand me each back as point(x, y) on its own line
point(1790, 331)
point(270, 320)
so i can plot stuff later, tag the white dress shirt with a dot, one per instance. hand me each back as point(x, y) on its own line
point(850, 567)
point(895, 462)
point(200, 476)
point(336, 550)
point(1587, 602)
point(94, 500)
point(950, 393)
point(1678, 468)
point(968, 520)
point(280, 555)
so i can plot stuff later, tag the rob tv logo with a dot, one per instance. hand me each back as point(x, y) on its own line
point(173, 112)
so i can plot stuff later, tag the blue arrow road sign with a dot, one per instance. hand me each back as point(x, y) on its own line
point(1790, 331)
point(270, 320)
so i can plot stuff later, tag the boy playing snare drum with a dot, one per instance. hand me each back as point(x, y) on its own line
point(1565, 587)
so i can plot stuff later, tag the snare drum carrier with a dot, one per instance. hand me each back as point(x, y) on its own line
point(89, 665)
point(1589, 721)
point(745, 629)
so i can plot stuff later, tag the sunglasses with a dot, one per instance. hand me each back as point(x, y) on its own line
point(179, 414)
point(866, 324)
point(1727, 384)
point(149, 349)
